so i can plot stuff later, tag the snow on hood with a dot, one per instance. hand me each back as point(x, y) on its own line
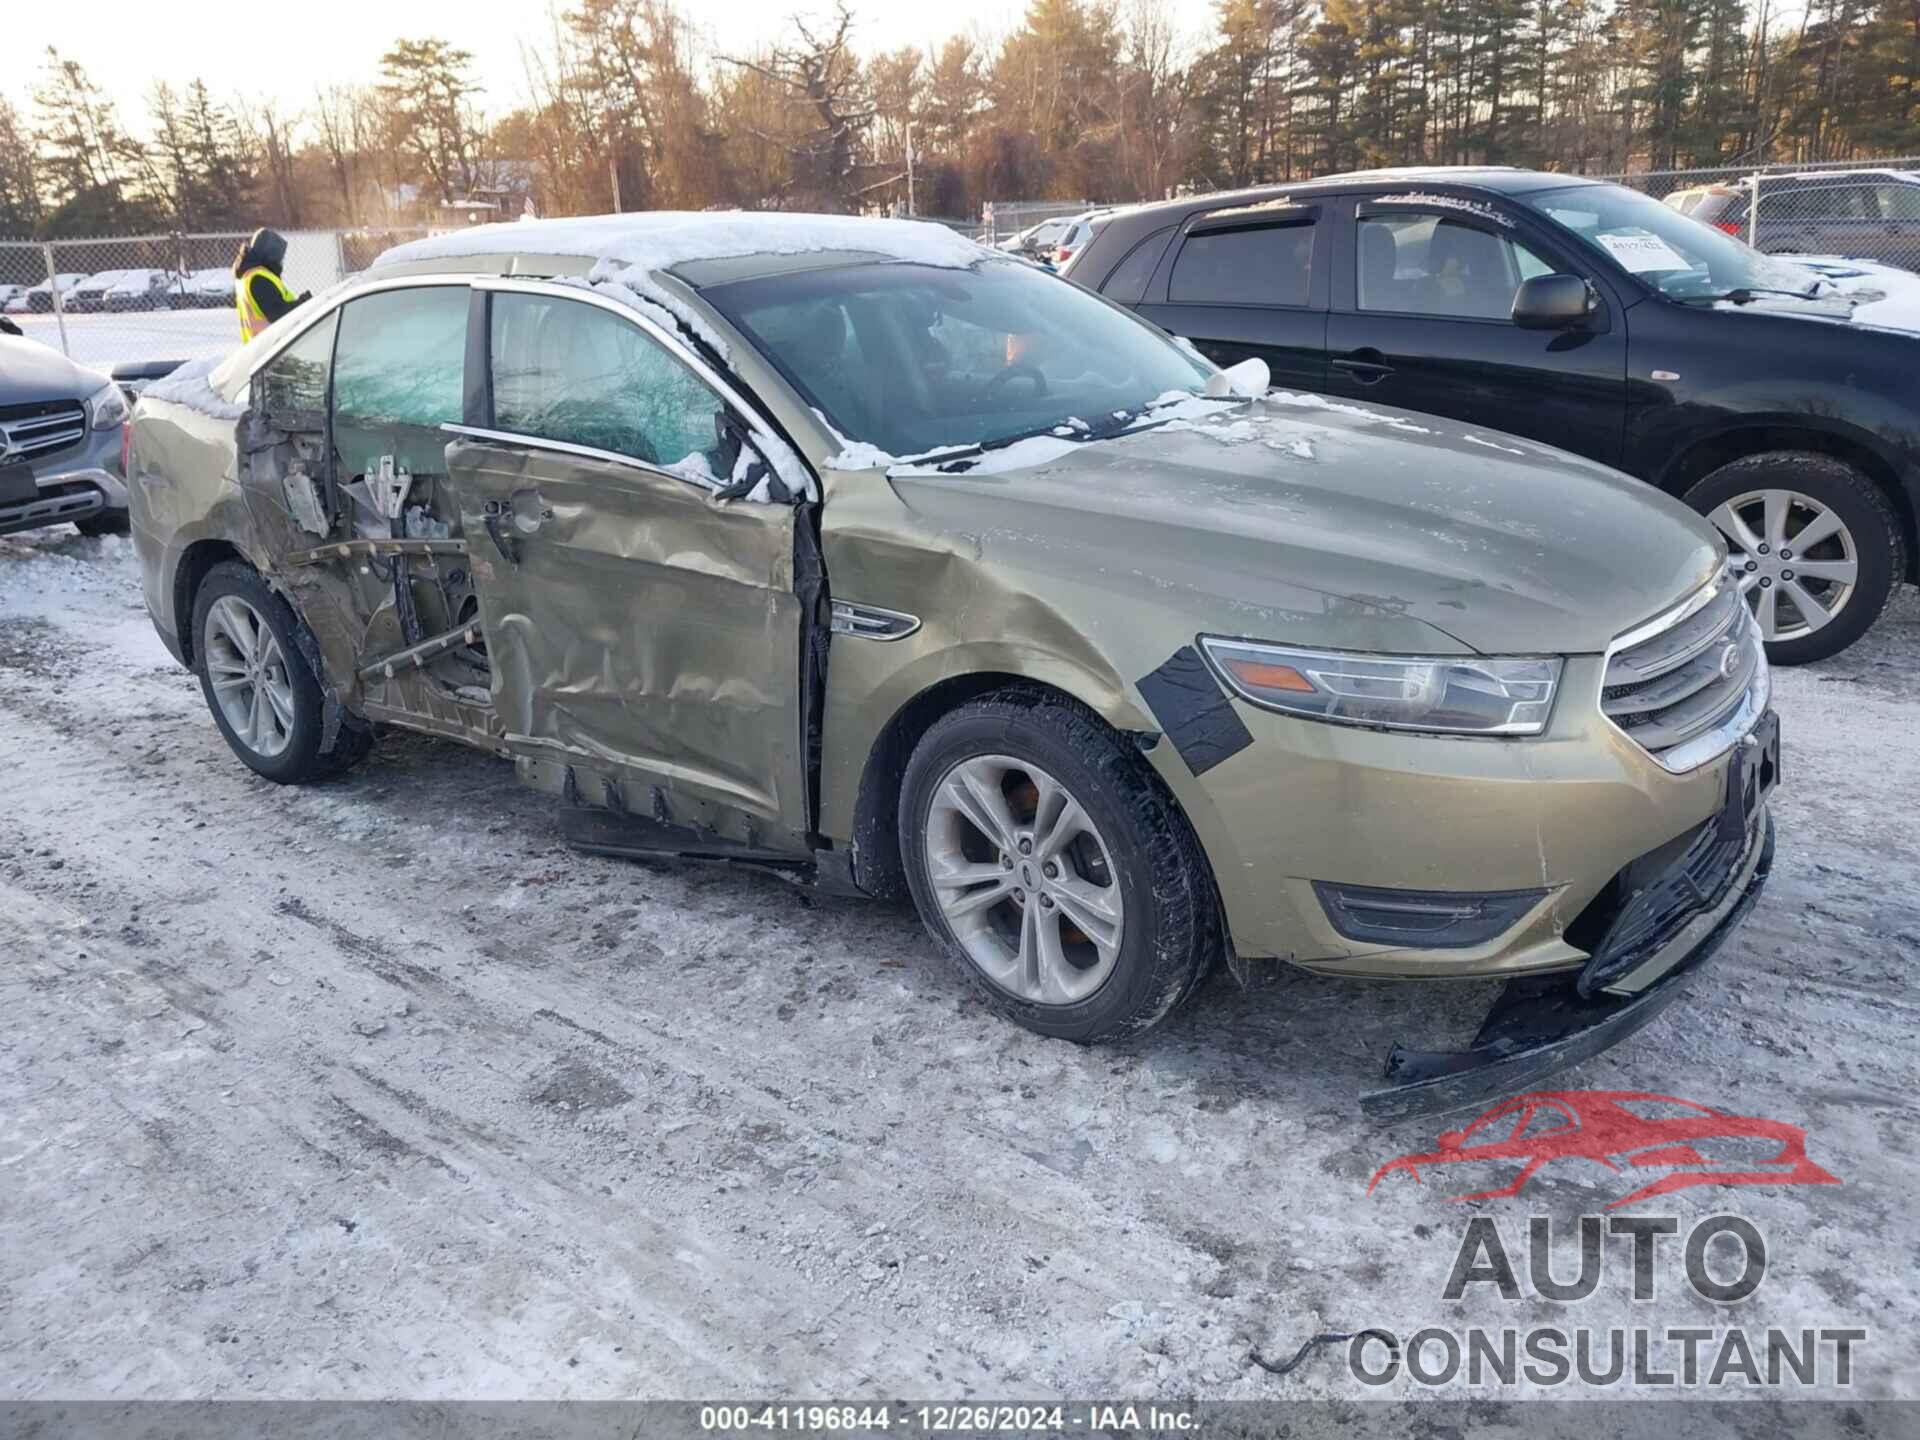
point(192, 387)
point(660, 239)
point(1884, 295)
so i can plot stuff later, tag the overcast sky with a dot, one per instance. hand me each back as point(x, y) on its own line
point(126, 46)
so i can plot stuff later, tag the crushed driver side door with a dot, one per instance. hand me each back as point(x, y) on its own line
point(645, 635)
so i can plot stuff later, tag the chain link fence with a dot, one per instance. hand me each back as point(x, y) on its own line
point(109, 301)
point(1004, 220)
point(1861, 209)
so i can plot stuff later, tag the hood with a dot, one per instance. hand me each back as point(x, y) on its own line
point(1855, 292)
point(1302, 519)
point(30, 372)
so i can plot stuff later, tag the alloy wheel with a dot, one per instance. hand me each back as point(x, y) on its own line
point(1794, 556)
point(1024, 879)
point(248, 674)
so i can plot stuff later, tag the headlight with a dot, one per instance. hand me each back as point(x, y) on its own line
point(1449, 694)
point(108, 407)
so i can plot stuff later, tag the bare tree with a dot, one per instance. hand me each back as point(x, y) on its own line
point(822, 74)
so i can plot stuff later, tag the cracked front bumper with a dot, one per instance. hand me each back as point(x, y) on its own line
point(1541, 1024)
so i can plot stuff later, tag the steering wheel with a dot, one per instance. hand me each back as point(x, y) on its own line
point(1018, 370)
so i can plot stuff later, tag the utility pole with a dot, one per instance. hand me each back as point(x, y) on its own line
point(910, 209)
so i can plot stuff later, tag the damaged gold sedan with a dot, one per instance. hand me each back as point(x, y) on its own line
point(845, 548)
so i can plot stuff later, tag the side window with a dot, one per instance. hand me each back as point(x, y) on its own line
point(397, 376)
point(572, 372)
point(1421, 264)
point(1256, 265)
point(1128, 282)
point(1899, 202)
point(296, 378)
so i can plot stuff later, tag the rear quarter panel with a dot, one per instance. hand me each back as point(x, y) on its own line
point(182, 488)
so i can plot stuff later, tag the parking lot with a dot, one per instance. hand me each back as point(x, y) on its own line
point(375, 1089)
point(105, 340)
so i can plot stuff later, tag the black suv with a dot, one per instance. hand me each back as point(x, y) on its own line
point(1874, 213)
point(1584, 315)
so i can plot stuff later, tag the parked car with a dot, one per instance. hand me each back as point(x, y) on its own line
point(850, 550)
point(1037, 242)
point(9, 293)
point(61, 428)
point(209, 289)
point(143, 289)
point(90, 294)
point(1078, 234)
point(1874, 214)
point(1584, 315)
point(38, 299)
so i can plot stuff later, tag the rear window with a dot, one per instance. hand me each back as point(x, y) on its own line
point(1259, 265)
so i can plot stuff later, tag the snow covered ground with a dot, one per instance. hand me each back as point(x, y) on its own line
point(374, 1089)
point(103, 340)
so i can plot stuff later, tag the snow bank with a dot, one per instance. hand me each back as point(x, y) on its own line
point(660, 239)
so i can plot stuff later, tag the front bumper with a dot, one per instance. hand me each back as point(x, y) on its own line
point(1303, 801)
point(81, 482)
point(1541, 1024)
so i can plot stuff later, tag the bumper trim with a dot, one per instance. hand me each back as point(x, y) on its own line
point(1540, 1025)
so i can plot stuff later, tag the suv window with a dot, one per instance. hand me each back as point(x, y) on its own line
point(1128, 282)
point(398, 372)
point(1820, 202)
point(1424, 264)
point(296, 378)
point(1257, 265)
point(1899, 202)
point(568, 371)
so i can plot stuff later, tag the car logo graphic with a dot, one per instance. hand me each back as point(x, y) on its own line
point(1622, 1130)
point(1729, 661)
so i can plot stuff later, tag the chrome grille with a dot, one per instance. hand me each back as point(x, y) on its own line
point(29, 431)
point(1687, 686)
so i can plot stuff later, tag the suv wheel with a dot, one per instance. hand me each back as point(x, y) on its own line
point(1816, 544)
point(1054, 870)
point(257, 682)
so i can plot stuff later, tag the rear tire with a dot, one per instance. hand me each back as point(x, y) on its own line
point(1763, 504)
point(255, 677)
point(1109, 921)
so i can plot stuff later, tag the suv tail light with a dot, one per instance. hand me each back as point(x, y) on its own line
point(1732, 227)
point(126, 449)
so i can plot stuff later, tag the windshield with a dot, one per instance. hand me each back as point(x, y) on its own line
point(1682, 258)
point(915, 358)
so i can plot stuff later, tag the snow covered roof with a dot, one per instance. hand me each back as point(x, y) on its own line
point(659, 239)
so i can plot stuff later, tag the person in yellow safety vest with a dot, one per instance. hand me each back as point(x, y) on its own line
point(259, 294)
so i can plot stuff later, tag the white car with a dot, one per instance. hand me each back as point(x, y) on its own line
point(138, 290)
point(208, 289)
point(37, 299)
point(1080, 230)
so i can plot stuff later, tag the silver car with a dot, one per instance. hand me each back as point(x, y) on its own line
point(60, 442)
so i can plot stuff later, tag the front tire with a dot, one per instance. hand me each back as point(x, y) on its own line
point(1052, 868)
point(257, 682)
point(1815, 543)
